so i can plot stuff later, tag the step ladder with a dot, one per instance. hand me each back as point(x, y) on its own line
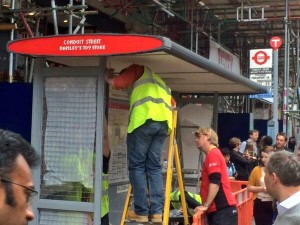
point(173, 155)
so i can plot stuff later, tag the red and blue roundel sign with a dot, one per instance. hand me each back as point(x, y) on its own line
point(260, 57)
point(85, 45)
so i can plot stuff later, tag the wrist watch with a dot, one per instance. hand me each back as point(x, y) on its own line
point(205, 204)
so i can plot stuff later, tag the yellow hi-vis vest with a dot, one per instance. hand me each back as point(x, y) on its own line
point(150, 99)
point(174, 197)
point(104, 196)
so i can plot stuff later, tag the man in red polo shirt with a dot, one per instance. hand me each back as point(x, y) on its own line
point(215, 189)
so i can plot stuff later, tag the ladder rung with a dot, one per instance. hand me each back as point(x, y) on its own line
point(189, 171)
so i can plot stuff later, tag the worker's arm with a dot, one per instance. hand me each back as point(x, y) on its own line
point(125, 78)
point(109, 76)
point(212, 192)
point(191, 202)
point(173, 102)
point(256, 189)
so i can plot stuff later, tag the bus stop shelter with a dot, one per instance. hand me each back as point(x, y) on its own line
point(68, 109)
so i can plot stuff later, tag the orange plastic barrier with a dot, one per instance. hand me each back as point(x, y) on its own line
point(237, 185)
point(199, 218)
point(244, 205)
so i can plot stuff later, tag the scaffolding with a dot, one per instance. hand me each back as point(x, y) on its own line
point(189, 22)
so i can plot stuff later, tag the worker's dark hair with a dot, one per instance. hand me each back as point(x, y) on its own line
point(13, 145)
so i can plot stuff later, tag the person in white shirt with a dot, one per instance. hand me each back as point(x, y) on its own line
point(253, 137)
point(282, 180)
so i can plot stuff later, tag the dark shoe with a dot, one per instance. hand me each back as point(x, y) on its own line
point(156, 218)
point(132, 216)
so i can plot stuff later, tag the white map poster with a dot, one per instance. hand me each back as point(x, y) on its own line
point(117, 133)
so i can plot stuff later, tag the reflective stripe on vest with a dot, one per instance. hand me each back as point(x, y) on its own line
point(104, 196)
point(149, 92)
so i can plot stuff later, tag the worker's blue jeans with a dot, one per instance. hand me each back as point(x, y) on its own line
point(144, 147)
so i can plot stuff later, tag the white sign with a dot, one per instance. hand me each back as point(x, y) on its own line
point(261, 58)
point(262, 79)
point(261, 67)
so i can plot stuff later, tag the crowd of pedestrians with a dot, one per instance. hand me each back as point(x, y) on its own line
point(273, 175)
point(246, 155)
point(248, 161)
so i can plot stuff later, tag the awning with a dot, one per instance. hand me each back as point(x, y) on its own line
point(183, 70)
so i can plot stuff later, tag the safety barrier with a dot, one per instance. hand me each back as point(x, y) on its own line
point(237, 185)
point(199, 218)
point(244, 205)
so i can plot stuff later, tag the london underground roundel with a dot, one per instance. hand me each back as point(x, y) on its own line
point(260, 57)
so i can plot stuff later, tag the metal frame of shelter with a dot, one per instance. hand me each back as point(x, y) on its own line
point(183, 70)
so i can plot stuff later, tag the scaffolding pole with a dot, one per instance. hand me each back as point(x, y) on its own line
point(11, 55)
point(286, 68)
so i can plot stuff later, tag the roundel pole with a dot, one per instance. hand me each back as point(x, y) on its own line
point(275, 43)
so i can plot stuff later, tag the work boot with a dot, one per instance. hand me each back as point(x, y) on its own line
point(156, 218)
point(132, 216)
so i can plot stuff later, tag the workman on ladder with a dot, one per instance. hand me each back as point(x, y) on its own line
point(150, 122)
